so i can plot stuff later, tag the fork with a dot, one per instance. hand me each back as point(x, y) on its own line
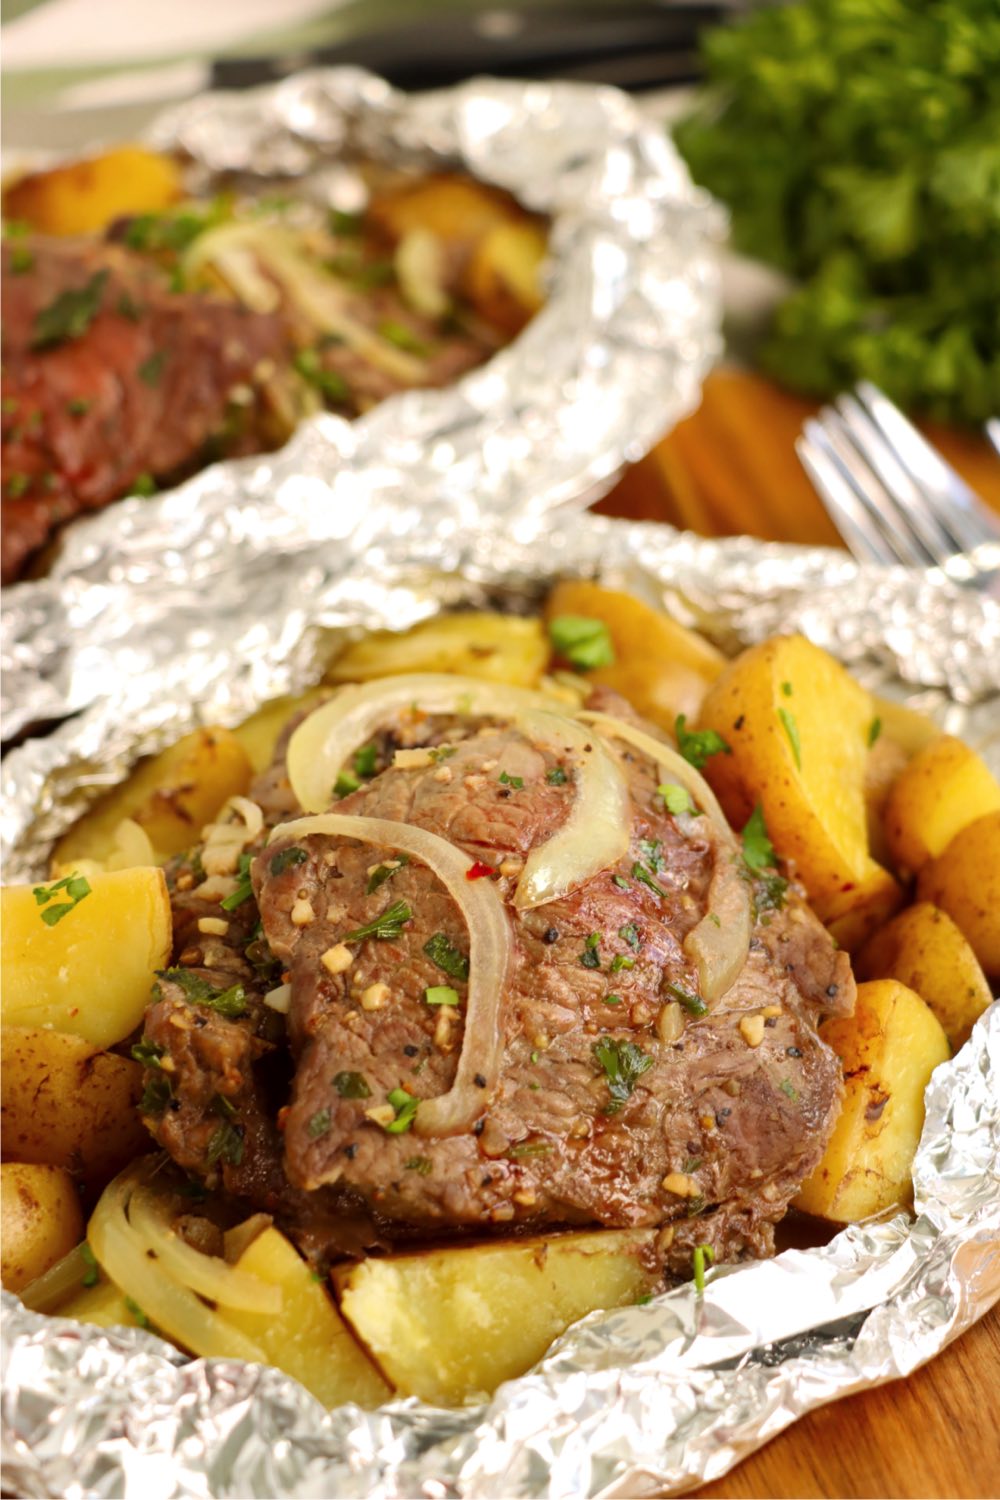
point(890, 494)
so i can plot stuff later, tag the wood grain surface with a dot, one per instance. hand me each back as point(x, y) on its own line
point(732, 467)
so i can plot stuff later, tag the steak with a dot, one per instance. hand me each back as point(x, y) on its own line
point(606, 1110)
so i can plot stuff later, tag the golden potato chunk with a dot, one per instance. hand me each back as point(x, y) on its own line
point(103, 1305)
point(885, 760)
point(943, 789)
point(662, 668)
point(40, 1221)
point(450, 1325)
point(965, 882)
point(503, 279)
point(260, 733)
point(797, 726)
point(456, 209)
point(171, 796)
point(84, 197)
point(64, 1104)
point(924, 950)
point(889, 1049)
point(89, 973)
point(499, 648)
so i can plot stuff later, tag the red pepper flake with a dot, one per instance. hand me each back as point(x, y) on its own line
point(848, 887)
point(282, 1116)
point(478, 870)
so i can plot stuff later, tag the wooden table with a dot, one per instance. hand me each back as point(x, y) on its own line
point(732, 467)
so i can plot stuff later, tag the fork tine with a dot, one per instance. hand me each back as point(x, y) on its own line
point(945, 491)
point(883, 506)
point(993, 432)
point(848, 513)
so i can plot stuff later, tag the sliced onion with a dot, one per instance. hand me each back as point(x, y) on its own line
point(594, 836)
point(228, 835)
point(420, 271)
point(720, 942)
point(490, 954)
point(208, 1275)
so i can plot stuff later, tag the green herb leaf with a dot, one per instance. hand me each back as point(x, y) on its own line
point(70, 315)
point(786, 688)
point(151, 369)
point(404, 338)
point(612, 1000)
point(449, 959)
point(590, 958)
point(623, 1063)
point(226, 1145)
point(584, 642)
point(698, 745)
point(693, 1004)
point(21, 261)
point(527, 1149)
point(230, 1003)
point(126, 307)
point(76, 888)
point(788, 1088)
point(406, 1108)
point(758, 851)
point(556, 777)
point(365, 760)
point(329, 383)
point(319, 1124)
point(676, 799)
point(874, 730)
point(650, 851)
point(621, 882)
point(244, 889)
point(92, 1274)
point(352, 1086)
point(382, 873)
point(639, 872)
point(78, 406)
point(422, 1165)
point(621, 961)
point(517, 782)
point(792, 730)
point(156, 1095)
point(345, 784)
point(155, 233)
point(144, 485)
point(288, 859)
point(137, 1312)
point(342, 222)
point(700, 1255)
point(147, 1053)
point(441, 994)
point(630, 934)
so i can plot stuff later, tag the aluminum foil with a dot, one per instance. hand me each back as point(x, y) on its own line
point(612, 361)
point(644, 1400)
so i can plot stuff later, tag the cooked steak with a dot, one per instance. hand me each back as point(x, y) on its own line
point(613, 1105)
point(111, 380)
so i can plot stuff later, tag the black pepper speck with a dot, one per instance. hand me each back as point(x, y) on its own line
point(793, 1052)
point(350, 1152)
point(550, 935)
point(410, 1050)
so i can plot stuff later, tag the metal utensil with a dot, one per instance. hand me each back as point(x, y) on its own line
point(889, 493)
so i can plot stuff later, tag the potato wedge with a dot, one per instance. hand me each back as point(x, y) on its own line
point(449, 1325)
point(945, 787)
point(172, 796)
point(503, 279)
point(90, 974)
point(924, 950)
point(886, 759)
point(456, 209)
point(906, 727)
point(308, 1338)
point(662, 668)
point(40, 1221)
point(964, 881)
point(499, 648)
point(889, 1049)
point(102, 1305)
point(66, 1105)
point(83, 197)
point(797, 725)
point(260, 733)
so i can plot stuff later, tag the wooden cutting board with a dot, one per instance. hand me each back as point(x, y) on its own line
point(732, 467)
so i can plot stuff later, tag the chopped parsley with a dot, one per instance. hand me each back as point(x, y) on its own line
point(650, 851)
point(287, 859)
point(640, 872)
point(406, 1108)
point(759, 860)
point(630, 934)
point(70, 315)
point(78, 406)
point(226, 1145)
point(698, 745)
point(621, 882)
point(364, 760)
point(623, 1064)
point(422, 1165)
point(517, 782)
point(345, 784)
point(676, 799)
point(788, 1088)
point(386, 927)
point(404, 338)
point(319, 1124)
point(331, 386)
point(342, 222)
point(692, 1003)
point(126, 307)
point(197, 991)
point(151, 369)
point(622, 961)
point(438, 753)
point(137, 1312)
point(244, 889)
point(612, 1000)
point(352, 1086)
point(147, 1053)
point(701, 1254)
point(144, 485)
point(786, 688)
point(223, 1106)
point(528, 1148)
point(792, 730)
point(21, 261)
point(874, 730)
point(382, 873)
point(92, 1274)
point(166, 231)
point(76, 887)
point(156, 1095)
point(449, 959)
point(441, 994)
point(584, 642)
point(590, 958)
point(556, 777)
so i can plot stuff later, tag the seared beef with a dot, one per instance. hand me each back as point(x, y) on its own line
point(719, 1124)
point(129, 380)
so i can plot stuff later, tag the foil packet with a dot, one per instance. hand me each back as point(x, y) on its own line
point(644, 1400)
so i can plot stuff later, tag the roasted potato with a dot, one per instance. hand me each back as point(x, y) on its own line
point(456, 209)
point(906, 727)
point(64, 1104)
point(260, 733)
point(885, 760)
point(91, 972)
point(499, 648)
point(171, 796)
point(84, 197)
point(503, 279)
point(308, 1338)
point(662, 668)
point(889, 1048)
point(924, 950)
point(40, 1221)
point(945, 787)
point(797, 726)
point(450, 1325)
point(964, 881)
point(103, 1305)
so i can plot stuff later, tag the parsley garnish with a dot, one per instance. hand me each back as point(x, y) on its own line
point(419, 1164)
point(152, 368)
point(623, 1063)
point(70, 315)
point(345, 784)
point(874, 730)
point(630, 934)
point(406, 1108)
point(693, 1004)
point(788, 1088)
point(441, 951)
point(621, 961)
point(76, 887)
point(352, 1086)
point(364, 760)
point(698, 745)
point(244, 888)
point(137, 1312)
point(650, 851)
point(786, 688)
point(229, 1003)
point(589, 958)
point(792, 730)
point(226, 1145)
point(92, 1274)
point(147, 1053)
point(403, 337)
point(127, 307)
point(556, 777)
point(758, 861)
point(438, 753)
point(612, 1000)
point(166, 231)
point(621, 882)
point(342, 222)
point(382, 873)
point(676, 799)
point(702, 1253)
point(21, 261)
point(441, 994)
point(144, 485)
point(319, 1124)
point(329, 384)
point(517, 782)
point(639, 872)
point(584, 642)
point(156, 1095)
point(289, 857)
point(78, 406)
point(529, 1148)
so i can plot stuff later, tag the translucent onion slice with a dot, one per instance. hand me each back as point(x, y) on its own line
point(720, 942)
point(490, 954)
point(208, 1275)
point(174, 1309)
point(594, 836)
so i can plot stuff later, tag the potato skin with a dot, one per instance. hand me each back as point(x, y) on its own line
point(889, 1049)
point(86, 196)
point(943, 789)
point(964, 881)
point(91, 974)
point(62, 1104)
point(924, 950)
point(40, 1221)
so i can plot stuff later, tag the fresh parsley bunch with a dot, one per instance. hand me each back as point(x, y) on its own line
point(857, 144)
